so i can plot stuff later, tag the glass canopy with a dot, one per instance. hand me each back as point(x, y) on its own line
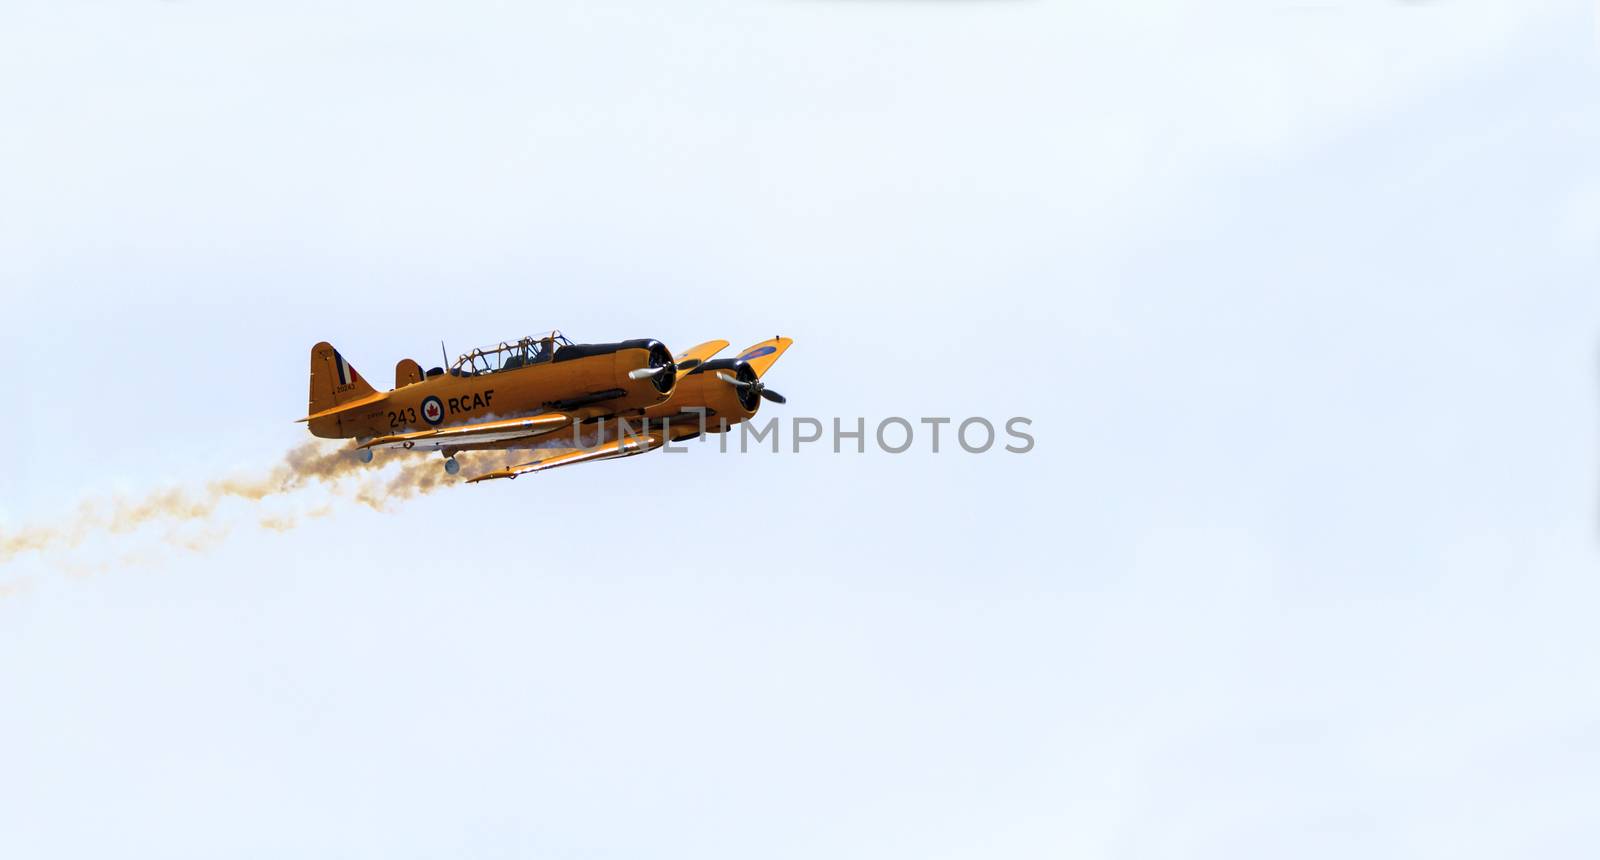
point(509, 356)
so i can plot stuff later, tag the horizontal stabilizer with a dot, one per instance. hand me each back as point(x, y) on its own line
point(345, 408)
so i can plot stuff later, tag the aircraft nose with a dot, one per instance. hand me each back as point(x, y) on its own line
point(667, 376)
point(658, 367)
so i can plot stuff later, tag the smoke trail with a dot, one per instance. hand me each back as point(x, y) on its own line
point(286, 521)
point(311, 463)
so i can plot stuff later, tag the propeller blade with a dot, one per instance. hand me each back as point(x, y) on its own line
point(774, 396)
point(646, 372)
point(734, 380)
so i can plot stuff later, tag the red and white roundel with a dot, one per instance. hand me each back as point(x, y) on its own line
point(432, 410)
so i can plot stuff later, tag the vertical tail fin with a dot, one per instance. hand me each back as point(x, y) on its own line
point(333, 381)
point(407, 372)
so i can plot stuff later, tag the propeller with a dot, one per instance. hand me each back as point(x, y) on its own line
point(757, 385)
point(660, 362)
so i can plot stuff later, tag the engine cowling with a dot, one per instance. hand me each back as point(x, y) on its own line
point(725, 404)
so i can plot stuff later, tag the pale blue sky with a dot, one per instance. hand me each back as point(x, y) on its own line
point(1301, 297)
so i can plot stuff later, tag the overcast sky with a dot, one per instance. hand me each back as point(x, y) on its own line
point(1301, 298)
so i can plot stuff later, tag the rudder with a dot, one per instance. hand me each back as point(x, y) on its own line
point(333, 381)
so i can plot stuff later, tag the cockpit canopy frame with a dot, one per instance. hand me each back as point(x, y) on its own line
point(534, 349)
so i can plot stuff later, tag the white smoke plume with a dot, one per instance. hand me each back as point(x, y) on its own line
point(310, 464)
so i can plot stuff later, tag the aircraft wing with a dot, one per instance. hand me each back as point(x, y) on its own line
point(624, 447)
point(466, 435)
point(693, 357)
point(763, 355)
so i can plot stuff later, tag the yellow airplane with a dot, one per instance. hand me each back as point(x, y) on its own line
point(513, 395)
point(710, 395)
point(541, 392)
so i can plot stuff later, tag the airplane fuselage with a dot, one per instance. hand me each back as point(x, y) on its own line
point(578, 375)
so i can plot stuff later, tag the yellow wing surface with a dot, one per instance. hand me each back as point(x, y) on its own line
point(761, 356)
point(626, 446)
point(464, 436)
point(693, 357)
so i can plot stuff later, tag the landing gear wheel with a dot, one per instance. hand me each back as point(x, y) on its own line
point(451, 467)
point(364, 455)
